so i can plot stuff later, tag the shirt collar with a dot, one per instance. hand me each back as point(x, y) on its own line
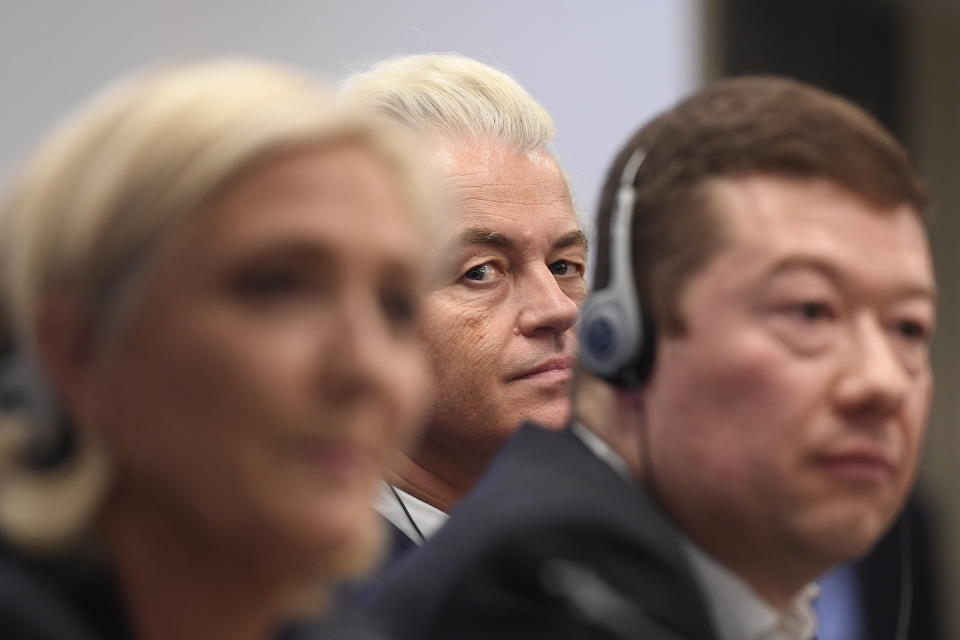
point(602, 450)
point(429, 519)
point(740, 614)
point(422, 516)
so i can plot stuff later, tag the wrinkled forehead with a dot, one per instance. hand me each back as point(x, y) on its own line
point(489, 184)
point(472, 161)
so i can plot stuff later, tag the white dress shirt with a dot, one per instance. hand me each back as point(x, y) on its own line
point(602, 450)
point(740, 614)
point(737, 612)
point(421, 516)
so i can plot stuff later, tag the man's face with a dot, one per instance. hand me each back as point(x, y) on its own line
point(499, 321)
point(784, 426)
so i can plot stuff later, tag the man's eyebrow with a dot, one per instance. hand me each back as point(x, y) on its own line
point(488, 237)
point(575, 238)
point(831, 273)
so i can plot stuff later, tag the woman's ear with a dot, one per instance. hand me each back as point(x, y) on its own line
point(66, 349)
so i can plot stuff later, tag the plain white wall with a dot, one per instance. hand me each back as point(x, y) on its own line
point(600, 67)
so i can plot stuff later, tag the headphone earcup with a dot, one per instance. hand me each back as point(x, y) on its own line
point(616, 333)
point(606, 339)
point(616, 342)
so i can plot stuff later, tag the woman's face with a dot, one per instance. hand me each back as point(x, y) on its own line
point(272, 365)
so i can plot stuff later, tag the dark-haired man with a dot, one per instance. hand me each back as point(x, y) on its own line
point(767, 430)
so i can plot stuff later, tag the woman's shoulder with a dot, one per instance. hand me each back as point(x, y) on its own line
point(57, 597)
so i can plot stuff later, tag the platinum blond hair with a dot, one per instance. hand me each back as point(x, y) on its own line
point(453, 96)
point(88, 210)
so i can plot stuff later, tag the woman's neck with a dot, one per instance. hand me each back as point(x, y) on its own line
point(178, 584)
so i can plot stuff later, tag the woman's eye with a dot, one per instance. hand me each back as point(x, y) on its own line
point(399, 308)
point(483, 274)
point(269, 284)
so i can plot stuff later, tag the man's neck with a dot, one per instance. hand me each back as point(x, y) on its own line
point(444, 468)
point(780, 590)
point(423, 484)
point(740, 611)
point(612, 416)
point(776, 578)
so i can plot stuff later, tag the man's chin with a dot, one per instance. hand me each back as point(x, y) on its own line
point(553, 416)
point(847, 539)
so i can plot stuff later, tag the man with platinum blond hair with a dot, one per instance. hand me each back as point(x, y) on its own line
point(509, 278)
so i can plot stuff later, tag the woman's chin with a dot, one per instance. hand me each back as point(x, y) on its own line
point(359, 553)
point(340, 543)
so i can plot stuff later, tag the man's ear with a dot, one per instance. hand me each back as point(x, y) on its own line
point(631, 405)
point(66, 337)
point(630, 410)
point(632, 399)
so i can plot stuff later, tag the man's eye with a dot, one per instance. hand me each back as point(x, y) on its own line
point(811, 311)
point(563, 268)
point(913, 331)
point(484, 273)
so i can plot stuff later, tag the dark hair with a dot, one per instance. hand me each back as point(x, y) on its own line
point(737, 127)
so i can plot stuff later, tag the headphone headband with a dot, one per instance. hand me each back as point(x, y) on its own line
point(616, 341)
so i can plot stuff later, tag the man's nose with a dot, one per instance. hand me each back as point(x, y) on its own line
point(874, 380)
point(545, 306)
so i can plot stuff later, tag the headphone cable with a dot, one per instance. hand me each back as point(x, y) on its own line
point(906, 577)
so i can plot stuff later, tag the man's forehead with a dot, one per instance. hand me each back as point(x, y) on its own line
point(768, 221)
point(471, 219)
point(493, 187)
point(466, 162)
point(761, 204)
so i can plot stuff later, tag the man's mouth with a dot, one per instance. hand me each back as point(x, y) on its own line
point(557, 369)
point(861, 464)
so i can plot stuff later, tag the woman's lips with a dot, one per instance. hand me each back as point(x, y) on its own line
point(342, 460)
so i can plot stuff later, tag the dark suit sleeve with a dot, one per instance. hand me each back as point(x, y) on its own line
point(499, 592)
point(30, 609)
point(486, 604)
point(546, 496)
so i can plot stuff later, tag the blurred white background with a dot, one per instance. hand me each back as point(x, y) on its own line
point(601, 68)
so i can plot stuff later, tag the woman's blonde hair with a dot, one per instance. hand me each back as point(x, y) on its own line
point(84, 216)
point(453, 96)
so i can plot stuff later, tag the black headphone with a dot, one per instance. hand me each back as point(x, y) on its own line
point(616, 332)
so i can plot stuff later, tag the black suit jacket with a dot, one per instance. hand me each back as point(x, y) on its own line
point(546, 496)
point(881, 578)
point(59, 598)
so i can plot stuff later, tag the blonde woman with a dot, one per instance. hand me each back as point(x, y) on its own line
point(210, 277)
